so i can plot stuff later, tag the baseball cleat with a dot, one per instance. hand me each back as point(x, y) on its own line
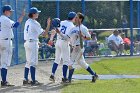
point(65, 80)
point(4, 84)
point(52, 78)
point(69, 81)
point(26, 82)
point(36, 83)
point(94, 78)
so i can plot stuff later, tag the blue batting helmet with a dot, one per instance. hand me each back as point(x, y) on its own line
point(56, 22)
point(7, 8)
point(34, 10)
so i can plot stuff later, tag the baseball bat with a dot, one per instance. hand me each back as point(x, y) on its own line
point(81, 40)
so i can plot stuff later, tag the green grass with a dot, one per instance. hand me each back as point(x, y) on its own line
point(104, 86)
point(109, 66)
point(115, 66)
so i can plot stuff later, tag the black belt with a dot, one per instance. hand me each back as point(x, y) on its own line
point(30, 40)
point(76, 45)
point(61, 39)
point(8, 39)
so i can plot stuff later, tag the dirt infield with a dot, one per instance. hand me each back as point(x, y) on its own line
point(15, 76)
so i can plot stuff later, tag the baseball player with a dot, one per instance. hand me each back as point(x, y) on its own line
point(6, 37)
point(32, 30)
point(62, 47)
point(77, 53)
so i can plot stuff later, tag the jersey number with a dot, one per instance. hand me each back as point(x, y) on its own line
point(0, 26)
point(63, 29)
point(27, 28)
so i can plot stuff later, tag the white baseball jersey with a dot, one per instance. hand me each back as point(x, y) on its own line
point(65, 27)
point(32, 30)
point(74, 34)
point(6, 26)
point(6, 34)
point(117, 39)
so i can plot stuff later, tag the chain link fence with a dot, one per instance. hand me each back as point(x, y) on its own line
point(99, 15)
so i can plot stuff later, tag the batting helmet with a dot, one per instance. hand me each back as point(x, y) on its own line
point(56, 22)
point(34, 10)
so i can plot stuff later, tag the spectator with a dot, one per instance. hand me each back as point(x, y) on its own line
point(92, 45)
point(46, 47)
point(87, 49)
point(42, 46)
point(137, 44)
point(115, 42)
point(126, 41)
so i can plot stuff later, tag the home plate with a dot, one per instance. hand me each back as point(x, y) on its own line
point(89, 77)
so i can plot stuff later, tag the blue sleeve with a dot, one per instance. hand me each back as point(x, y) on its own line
point(16, 24)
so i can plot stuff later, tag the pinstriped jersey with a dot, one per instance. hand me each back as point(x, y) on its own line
point(65, 27)
point(32, 30)
point(6, 27)
point(74, 34)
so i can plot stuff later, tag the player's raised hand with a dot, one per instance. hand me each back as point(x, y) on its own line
point(21, 17)
point(23, 12)
point(49, 21)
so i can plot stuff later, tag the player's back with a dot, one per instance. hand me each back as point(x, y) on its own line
point(6, 27)
point(65, 27)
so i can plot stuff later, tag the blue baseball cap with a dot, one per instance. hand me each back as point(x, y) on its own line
point(7, 8)
point(71, 15)
point(34, 10)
